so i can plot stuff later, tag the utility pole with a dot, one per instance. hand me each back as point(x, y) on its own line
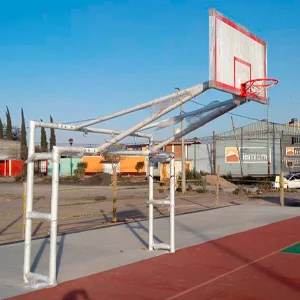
point(237, 147)
point(268, 122)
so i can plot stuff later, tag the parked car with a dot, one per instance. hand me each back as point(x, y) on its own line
point(290, 181)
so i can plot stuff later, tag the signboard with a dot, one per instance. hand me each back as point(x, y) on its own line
point(292, 151)
point(253, 155)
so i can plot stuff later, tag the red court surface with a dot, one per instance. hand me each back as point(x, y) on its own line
point(243, 266)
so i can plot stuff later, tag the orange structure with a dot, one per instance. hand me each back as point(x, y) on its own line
point(94, 164)
point(128, 165)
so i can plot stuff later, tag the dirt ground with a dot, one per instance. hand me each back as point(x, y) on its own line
point(83, 207)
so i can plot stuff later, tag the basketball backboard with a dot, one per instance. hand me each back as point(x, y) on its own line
point(236, 56)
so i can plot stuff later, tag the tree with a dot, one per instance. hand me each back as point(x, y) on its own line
point(1, 130)
point(52, 136)
point(9, 132)
point(24, 149)
point(44, 143)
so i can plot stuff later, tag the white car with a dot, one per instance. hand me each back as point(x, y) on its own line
point(290, 181)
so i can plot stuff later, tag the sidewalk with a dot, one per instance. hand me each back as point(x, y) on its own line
point(86, 253)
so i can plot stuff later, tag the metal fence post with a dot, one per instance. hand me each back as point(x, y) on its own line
point(218, 185)
point(24, 208)
point(114, 177)
point(281, 183)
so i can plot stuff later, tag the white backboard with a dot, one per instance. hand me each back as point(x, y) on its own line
point(236, 55)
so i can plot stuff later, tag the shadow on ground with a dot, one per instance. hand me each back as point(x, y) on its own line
point(288, 201)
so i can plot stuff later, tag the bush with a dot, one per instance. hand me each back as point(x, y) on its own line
point(80, 171)
point(139, 166)
point(21, 177)
point(194, 177)
point(228, 176)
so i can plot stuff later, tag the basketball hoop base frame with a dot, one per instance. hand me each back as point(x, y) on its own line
point(255, 88)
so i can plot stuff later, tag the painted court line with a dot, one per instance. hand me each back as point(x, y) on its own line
point(227, 273)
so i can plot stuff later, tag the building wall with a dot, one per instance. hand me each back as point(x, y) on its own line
point(253, 157)
point(65, 166)
point(201, 156)
point(128, 164)
point(94, 164)
point(164, 169)
point(290, 154)
point(11, 167)
point(176, 149)
point(11, 148)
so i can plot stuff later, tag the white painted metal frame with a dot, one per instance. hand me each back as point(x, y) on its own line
point(176, 98)
point(206, 114)
point(163, 157)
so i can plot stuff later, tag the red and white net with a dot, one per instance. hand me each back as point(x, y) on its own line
point(256, 88)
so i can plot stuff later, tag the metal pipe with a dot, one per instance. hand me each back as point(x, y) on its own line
point(214, 114)
point(127, 152)
point(183, 182)
point(150, 243)
point(176, 119)
point(29, 202)
point(39, 156)
point(76, 150)
point(69, 127)
point(136, 108)
point(161, 201)
point(108, 131)
point(55, 126)
point(172, 206)
point(54, 206)
point(39, 215)
point(200, 89)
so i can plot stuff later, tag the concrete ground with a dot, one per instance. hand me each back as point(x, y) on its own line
point(88, 207)
point(86, 253)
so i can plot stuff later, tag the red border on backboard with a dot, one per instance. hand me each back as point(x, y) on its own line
point(243, 62)
point(218, 84)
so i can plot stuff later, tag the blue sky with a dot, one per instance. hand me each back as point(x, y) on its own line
point(78, 59)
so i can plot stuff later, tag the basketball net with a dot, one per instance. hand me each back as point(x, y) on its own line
point(256, 88)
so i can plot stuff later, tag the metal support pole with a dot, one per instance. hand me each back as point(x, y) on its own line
point(150, 244)
point(268, 125)
point(213, 115)
point(281, 184)
point(114, 177)
point(214, 153)
point(24, 208)
point(29, 204)
point(197, 91)
point(172, 206)
point(71, 165)
point(54, 206)
point(218, 186)
point(237, 147)
point(183, 182)
point(144, 105)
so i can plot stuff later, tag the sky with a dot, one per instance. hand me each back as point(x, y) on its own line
point(81, 59)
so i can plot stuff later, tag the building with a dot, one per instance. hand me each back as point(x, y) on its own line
point(10, 148)
point(161, 170)
point(258, 149)
point(10, 163)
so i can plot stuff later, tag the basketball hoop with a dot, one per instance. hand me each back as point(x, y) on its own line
point(256, 88)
